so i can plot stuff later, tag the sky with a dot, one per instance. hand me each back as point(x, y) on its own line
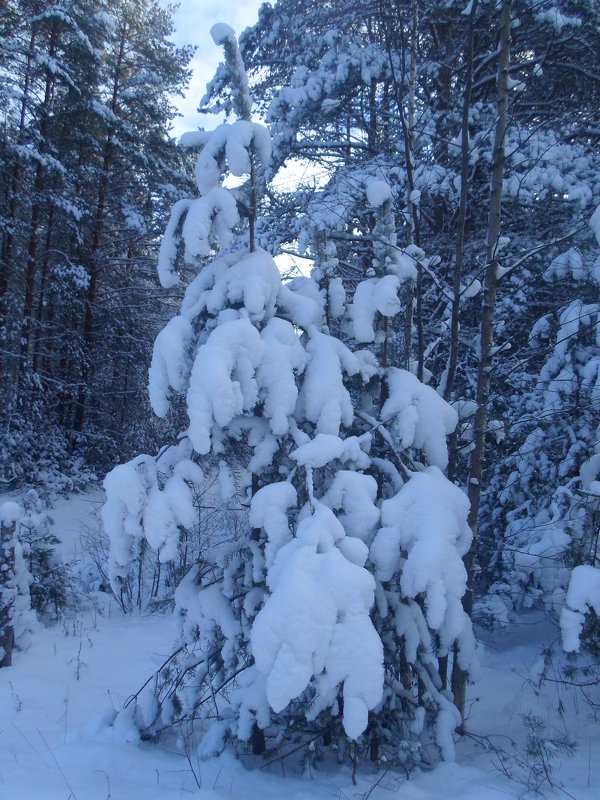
point(193, 21)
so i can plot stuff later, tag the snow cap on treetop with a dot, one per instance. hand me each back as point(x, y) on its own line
point(221, 32)
point(10, 512)
point(223, 35)
point(378, 192)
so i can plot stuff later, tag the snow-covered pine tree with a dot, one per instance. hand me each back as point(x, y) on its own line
point(545, 505)
point(16, 617)
point(311, 614)
point(9, 514)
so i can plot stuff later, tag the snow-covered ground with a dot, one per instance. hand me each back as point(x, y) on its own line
point(58, 702)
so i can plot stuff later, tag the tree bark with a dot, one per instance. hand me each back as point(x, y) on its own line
point(459, 676)
point(408, 123)
point(107, 163)
point(6, 262)
point(36, 216)
point(41, 300)
point(462, 210)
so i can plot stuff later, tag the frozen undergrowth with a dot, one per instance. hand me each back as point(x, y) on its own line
point(58, 701)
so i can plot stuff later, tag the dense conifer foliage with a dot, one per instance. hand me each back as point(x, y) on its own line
point(87, 170)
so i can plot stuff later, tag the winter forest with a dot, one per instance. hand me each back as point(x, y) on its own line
point(300, 410)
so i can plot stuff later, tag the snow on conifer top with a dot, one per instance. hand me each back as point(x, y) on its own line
point(10, 512)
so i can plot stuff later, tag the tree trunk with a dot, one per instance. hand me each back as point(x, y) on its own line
point(462, 210)
point(6, 262)
point(408, 132)
point(36, 216)
point(459, 676)
point(41, 301)
point(97, 231)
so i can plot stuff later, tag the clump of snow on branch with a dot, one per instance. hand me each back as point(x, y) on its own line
point(424, 536)
point(222, 381)
point(372, 296)
point(10, 512)
point(251, 281)
point(418, 416)
point(567, 265)
point(325, 400)
point(209, 222)
point(230, 144)
point(192, 139)
point(353, 495)
point(268, 510)
point(171, 364)
point(327, 447)
point(583, 596)
point(310, 625)
point(283, 360)
point(148, 499)
point(302, 302)
point(167, 254)
point(555, 17)
point(378, 192)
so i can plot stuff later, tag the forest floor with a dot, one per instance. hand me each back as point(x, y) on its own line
point(58, 703)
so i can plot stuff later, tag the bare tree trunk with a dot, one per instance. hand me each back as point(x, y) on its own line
point(30, 272)
point(459, 676)
point(413, 228)
point(6, 260)
point(458, 267)
point(36, 217)
point(408, 122)
point(462, 210)
point(41, 301)
point(98, 229)
point(253, 200)
point(413, 211)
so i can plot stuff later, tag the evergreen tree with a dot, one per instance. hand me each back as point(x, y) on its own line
point(312, 613)
point(543, 499)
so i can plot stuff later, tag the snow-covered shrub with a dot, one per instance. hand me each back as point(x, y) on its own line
point(17, 620)
point(161, 514)
point(50, 578)
point(43, 582)
point(580, 614)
